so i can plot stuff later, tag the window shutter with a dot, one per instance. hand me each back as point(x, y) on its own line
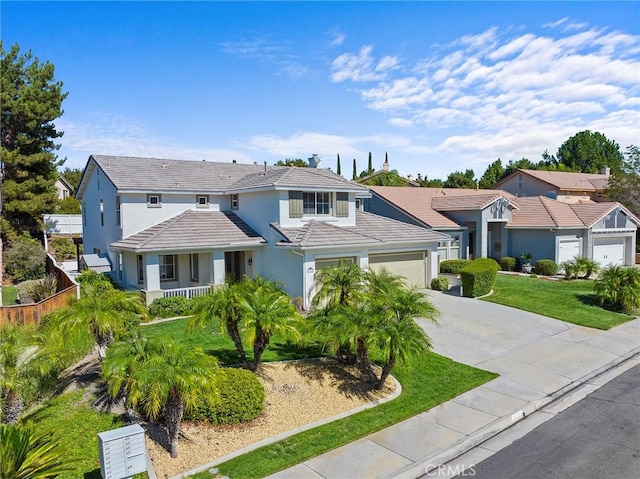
point(295, 204)
point(342, 205)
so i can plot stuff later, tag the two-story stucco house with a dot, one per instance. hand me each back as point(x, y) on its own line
point(171, 227)
point(564, 186)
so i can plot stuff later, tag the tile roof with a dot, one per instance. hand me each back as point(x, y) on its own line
point(155, 174)
point(565, 180)
point(427, 204)
point(370, 229)
point(192, 230)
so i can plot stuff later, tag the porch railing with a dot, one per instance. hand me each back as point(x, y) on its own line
point(187, 292)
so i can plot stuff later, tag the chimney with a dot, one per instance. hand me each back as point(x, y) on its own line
point(605, 171)
point(385, 165)
point(314, 161)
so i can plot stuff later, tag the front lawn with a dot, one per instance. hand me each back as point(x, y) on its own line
point(9, 295)
point(572, 301)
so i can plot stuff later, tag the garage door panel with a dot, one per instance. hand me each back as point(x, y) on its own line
point(609, 251)
point(568, 250)
point(410, 266)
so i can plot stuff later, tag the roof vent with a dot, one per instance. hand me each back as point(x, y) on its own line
point(163, 166)
point(314, 161)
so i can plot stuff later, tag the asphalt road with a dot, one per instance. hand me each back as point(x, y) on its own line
point(596, 438)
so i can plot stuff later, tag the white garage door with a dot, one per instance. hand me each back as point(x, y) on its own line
point(324, 263)
point(568, 250)
point(411, 266)
point(608, 251)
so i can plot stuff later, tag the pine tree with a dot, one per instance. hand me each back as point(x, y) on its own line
point(370, 168)
point(30, 100)
point(338, 169)
point(354, 175)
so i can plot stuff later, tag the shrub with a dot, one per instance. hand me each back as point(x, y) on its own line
point(579, 267)
point(171, 307)
point(508, 263)
point(62, 249)
point(240, 399)
point(545, 267)
point(479, 277)
point(440, 283)
point(40, 289)
point(99, 282)
point(25, 259)
point(619, 287)
point(453, 266)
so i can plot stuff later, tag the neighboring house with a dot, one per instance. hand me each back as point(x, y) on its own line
point(172, 227)
point(65, 190)
point(494, 223)
point(563, 186)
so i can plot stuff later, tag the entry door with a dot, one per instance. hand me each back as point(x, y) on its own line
point(234, 265)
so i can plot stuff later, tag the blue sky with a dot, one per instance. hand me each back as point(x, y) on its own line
point(440, 86)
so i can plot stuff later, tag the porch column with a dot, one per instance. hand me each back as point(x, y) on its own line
point(432, 266)
point(362, 258)
point(217, 265)
point(151, 272)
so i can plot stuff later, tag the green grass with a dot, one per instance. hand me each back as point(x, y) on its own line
point(9, 295)
point(571, 301)
point(432, 381)
point(76, 426)
point(210, 340)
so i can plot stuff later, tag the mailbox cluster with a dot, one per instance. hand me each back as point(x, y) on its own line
point(122, 452)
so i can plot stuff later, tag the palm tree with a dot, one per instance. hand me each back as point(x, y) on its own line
point(266, 310)
point(340, 284)
point(101, 313)
point(396, 335)
point(161, 376)
point(223, 305)
point(15, 359)
point(26, 454)
point(619, 287)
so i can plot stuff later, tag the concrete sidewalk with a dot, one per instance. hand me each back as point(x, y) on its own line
point(539, 360)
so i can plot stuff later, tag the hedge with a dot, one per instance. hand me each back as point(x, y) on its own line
point(440, 283)
point(171, 307)
point(545, 267)
point(479, 277)
point(453, 266)
point(240, 399)
point(508, 263)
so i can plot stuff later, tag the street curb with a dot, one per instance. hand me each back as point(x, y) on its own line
point(485, 433)
point(292, 432)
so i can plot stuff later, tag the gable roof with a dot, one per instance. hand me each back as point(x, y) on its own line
point(427, 205)
point(192, 230)
point(370, 229)
point(543, 212)
point(131, 174)
point(65, 182)
point(564, 180)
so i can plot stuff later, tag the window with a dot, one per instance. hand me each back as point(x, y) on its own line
point(140, 269)
point(119, 259)
point(359, 204)
point(118, 218)
point(65, 194)
point(84, 213)
point(342, 205)
point(154, 201)
point(316, 203)
point(202, 201)
point(101, 212)
point(167, 267)
point(193, 262)
point(234, 202)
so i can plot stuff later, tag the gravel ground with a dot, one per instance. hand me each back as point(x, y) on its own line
point(297, 393)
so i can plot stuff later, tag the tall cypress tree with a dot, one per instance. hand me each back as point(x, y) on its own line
point(338, 169)
point(370, 169)
point(30, 100)
point(354, 176)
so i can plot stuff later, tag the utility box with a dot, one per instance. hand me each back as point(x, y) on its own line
point(122, 452)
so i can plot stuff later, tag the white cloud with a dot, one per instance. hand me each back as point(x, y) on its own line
point(361, 66)
point(337, 39)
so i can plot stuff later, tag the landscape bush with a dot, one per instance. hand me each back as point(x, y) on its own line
point(579, 268)
point(98, 282)
point(545, 267)
point(453, 266)
point(25, 259)
point(508, 263)
point(40, 289)
point(440, 283)
point(479, 277)
point(62, 248)
point(619, 288)
point(240, 399)
point(171, 307)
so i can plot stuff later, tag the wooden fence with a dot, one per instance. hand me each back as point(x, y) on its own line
point(31, 313)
